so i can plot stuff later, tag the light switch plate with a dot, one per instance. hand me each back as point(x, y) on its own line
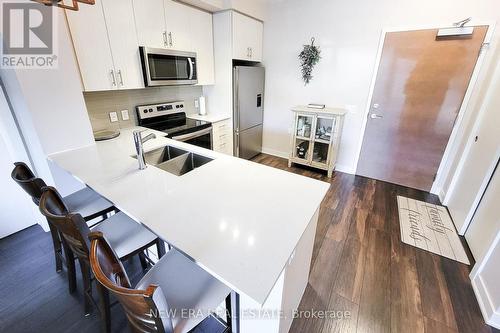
point(113, 117)
point(125, 115)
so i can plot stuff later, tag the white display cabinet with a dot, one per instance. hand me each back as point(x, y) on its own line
point(316, 137)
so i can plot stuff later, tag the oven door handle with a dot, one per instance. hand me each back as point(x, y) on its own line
point(193, 135)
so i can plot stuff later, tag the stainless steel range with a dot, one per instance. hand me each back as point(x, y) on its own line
point(171, 119)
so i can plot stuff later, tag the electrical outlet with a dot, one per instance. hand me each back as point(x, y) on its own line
point(125, 115)
point(113, 117)
point(196, 103)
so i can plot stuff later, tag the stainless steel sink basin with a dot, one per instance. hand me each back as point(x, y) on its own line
point(184, 163)
point(160, 155)
point(174, 160)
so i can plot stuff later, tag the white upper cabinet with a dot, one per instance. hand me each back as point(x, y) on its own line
point(203, 44)
point(177, 18)
point(92, 47)
point(108, 34)
point(150, 23)
point(123, 40)
point(106, 45)
point(247, 38)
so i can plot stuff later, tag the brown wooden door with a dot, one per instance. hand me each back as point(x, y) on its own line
point(420, 86)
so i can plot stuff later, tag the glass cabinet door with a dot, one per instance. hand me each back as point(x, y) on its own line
point(324, 129)
point(302, 138)
point(304, 126)
point(323, 132)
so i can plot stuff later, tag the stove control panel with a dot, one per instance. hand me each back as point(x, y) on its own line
point(156, 110)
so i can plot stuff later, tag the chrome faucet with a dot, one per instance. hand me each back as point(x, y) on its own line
point(139, 140)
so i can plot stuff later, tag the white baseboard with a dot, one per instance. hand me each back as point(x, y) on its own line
point(491, 316)
point(273, 152)
point(338, 167)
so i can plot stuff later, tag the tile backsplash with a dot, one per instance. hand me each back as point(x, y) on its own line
point(101, 103)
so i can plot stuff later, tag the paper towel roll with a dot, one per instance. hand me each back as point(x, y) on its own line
point(203, 107)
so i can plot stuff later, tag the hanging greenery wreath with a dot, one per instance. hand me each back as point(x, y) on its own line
point(309, 57)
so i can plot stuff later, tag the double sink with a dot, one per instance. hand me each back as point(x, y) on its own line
point(174, 160)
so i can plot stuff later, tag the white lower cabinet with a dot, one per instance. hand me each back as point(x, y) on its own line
point(106, 45)
point(222, 137)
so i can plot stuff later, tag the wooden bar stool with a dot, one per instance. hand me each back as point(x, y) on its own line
point(126, 235)
point(86, 202)
point(162, 299)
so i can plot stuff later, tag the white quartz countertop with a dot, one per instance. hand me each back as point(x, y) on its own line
point(237, 219)
point(211, 118)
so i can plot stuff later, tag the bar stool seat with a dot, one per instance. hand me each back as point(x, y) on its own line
point(174, 296)
point(124, 234)
point(85, 202)
point(88, 203)
point(186, 286)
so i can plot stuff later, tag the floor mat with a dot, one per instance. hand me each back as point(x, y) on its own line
point(429, 227)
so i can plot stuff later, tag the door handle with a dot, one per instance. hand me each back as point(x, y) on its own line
point(376, 116)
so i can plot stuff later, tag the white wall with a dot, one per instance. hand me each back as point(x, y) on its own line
point(486, 222)
point(348, 34)
point(479, 159)
point(17, 210)
point(50, 108)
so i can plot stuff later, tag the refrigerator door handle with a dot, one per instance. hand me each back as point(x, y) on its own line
point(237, 144)
point(236, 105)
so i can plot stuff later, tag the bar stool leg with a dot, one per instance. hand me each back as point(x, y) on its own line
point(105, 307)
point(87, 287)
point(160, 246)
point(229, 317)
point(70, 264)
point(56, 242)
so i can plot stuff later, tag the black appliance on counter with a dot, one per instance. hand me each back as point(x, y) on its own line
point(171, 119)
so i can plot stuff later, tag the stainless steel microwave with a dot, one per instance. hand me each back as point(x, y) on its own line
point(163, 67)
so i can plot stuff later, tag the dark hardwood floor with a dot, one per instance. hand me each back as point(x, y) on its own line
point(361, 272)
point(367, 278)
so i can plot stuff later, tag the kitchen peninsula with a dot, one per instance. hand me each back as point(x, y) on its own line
point(250, 226)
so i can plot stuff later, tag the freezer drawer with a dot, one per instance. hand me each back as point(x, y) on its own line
point(248, 143)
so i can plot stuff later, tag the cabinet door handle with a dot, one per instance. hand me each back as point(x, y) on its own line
point(113, 78)
point(121, 78)
point(170, 39)
point(165, 41)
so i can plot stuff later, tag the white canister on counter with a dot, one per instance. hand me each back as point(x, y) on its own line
point(203, 106)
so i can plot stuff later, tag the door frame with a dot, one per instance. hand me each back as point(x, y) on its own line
point(462, 121)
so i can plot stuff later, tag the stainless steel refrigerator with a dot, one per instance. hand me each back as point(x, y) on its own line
point(248, 110)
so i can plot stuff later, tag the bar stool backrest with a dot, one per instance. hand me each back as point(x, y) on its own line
point(72, 227)
point(23, 176)
point(146, 310)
